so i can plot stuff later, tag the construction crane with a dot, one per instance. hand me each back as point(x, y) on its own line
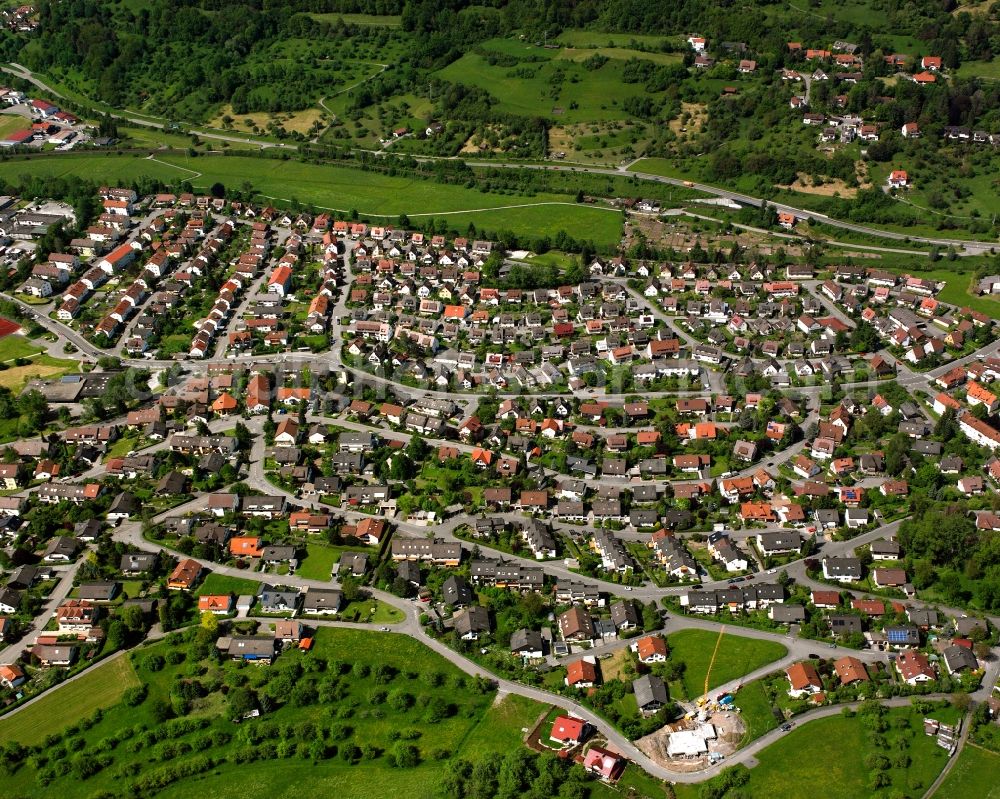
point(708, 671)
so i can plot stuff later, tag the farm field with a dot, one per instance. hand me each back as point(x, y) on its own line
point(973, 774)
point(736, 656)
point(101, 687)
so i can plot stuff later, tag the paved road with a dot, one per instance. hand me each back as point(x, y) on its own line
point(48, 608)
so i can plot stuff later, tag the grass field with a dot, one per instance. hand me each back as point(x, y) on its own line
point(600, 225)
point(556, 87)
point(42, 364)
point(755, 710)
point(973, 775)
point(224, 584)
point(16, 346)
point(101, 687)
point(658, 166)
point(470, 723)
point(384, 612)
point(828, 756)
point(319, 562)
point(321, 559)
point(624, 53)
point(989, 70)
point(11, 122)
point(959, 280)
point(735, 657)
point(343, 189)
point(381, 20)
point(583, 38)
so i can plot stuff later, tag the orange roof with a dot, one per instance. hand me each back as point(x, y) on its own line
point(705, 430)
point(975, 391)
point(850, 669)
point(483, 456)
point(650, 646)
point(215, 602)
point(454, 312)
point(9, 673)
point(948, 401)
point(224, 402)
point(580, 671)
point(294, 393)
point(371, 527)
point(248, 547)
point(280, 275)
point(185, 574)
point(802, 676)
point(757, 511)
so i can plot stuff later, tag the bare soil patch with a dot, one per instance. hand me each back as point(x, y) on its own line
point(295, 121)
point(698, 114)
point(830, 187)
point(729, 730)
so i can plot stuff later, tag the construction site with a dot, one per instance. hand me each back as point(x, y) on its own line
point(710, 730)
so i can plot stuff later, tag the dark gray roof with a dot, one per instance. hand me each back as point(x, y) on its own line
point(624, 612)
point(788, 613)
point(474, 619)
point(650, 691)
point(103, 591)
point(958, 658)
point(456, 591)
point(525, 640)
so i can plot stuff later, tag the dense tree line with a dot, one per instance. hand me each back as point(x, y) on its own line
point(945, 551)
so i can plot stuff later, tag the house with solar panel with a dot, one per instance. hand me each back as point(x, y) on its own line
point(902, 636)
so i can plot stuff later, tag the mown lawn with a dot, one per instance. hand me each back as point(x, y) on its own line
point(322, 559)
point(361, 610)
point(101, 687)
point(17, 346)
point(218, 584)
point(736, 656)
point(319, 562)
